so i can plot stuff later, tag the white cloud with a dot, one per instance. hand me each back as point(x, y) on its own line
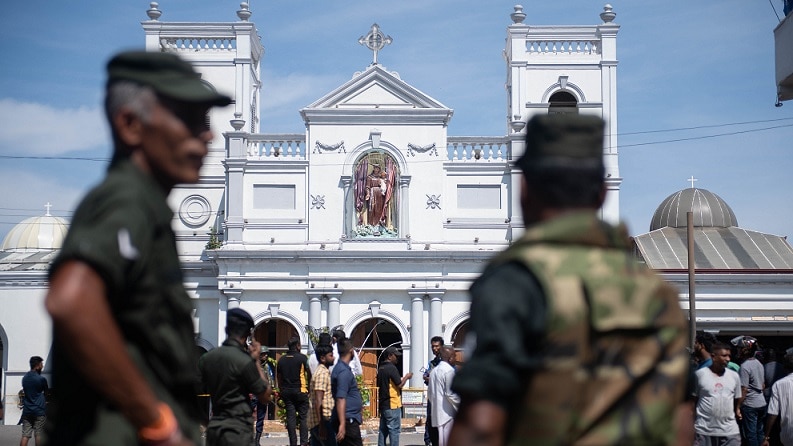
point(30, 128)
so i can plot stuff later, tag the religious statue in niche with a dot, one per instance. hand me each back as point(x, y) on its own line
point(376, 177)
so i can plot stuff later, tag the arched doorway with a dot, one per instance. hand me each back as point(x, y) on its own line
point(370, 338)
point(274, 333)
point(458, 341)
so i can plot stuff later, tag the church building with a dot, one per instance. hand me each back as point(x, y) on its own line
point(374, 220)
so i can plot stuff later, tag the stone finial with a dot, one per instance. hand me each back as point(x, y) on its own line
point(518, 16)
point(237, 122)
point(608, 15)
point(244, 12)
point(153, 12)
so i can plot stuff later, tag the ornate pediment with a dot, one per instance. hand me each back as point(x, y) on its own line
point(377, 95)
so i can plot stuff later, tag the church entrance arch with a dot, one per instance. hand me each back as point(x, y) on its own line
point(274, 333)
point(370, 338)
point(376, 195)
point(458, 340)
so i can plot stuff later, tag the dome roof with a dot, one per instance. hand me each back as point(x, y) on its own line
point(36, 234)
point(708, 208)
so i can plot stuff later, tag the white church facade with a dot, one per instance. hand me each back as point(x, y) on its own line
point(375, 213)
point(374, 220)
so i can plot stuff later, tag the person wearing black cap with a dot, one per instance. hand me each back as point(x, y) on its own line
point(230, 373)
point(390, 385)
point(573, 342)
point(124, 350)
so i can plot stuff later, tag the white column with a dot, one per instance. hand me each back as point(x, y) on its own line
point(233, 297)
point(333, 310)
point(315, 310)
point(349, 206)
point(404, 205)
point(236, 154)
point(417, 340)
point(436, 315)
point(607, 32)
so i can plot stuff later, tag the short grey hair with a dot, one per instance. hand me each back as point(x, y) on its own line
point(139, 98)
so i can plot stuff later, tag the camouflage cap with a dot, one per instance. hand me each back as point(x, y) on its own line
point(563, 141)
point(167, 74)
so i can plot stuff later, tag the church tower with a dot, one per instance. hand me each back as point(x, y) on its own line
point(228, 56)
point(565, 69)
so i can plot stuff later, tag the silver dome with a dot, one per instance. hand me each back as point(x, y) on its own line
point(708, 208)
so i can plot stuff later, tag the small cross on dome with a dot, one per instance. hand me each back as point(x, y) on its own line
point(692, 179)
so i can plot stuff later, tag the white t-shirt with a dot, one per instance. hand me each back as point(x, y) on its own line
point(355, 363)
point(716, 397)
point(781, 404)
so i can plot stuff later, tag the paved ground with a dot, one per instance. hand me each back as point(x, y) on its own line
point(9, 436)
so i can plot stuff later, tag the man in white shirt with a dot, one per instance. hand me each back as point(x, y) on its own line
point(718, 397)
point(445, 403)
point(780, 406)
point(355, 364)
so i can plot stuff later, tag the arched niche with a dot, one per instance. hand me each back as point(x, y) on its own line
point(375, 178)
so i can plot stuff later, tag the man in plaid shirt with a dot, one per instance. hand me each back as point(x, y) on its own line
point(321, 399)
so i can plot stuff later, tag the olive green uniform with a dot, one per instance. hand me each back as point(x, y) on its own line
point(575, 340)
point(122, 230)
point(229, 374)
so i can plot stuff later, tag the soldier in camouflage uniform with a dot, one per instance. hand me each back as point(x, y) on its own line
point(573, 342)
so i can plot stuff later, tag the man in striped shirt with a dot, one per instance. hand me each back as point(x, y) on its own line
point(321, 399)
point(780, 406)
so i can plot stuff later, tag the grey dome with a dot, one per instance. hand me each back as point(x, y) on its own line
point(708, 208)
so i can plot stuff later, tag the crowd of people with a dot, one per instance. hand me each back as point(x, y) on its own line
point(571, 340)
point(745, 402)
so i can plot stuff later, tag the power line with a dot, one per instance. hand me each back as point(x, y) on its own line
point(703, 137)
point(648, 143)
point(59, 158)
point(704, 127)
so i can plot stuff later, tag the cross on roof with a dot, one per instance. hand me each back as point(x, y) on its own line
point(375, 41)
point(692, 179)
point(48, 206)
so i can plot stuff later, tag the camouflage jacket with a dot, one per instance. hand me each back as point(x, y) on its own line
point(613, 363)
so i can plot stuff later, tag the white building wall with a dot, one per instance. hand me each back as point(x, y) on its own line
point(26, 331)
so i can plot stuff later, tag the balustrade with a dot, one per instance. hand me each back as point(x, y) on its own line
point(459, 148)
point(562, 47)
point(476, 148)
point(199, 43)
point(292, 146)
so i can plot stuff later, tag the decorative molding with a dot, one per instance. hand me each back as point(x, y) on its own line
point(454, 323)
point(285, 316)
point(412, 148)
point(195, 210)
point(364, 315)
point(339, 147)
point(433, 201)
point(568, 87)
point(317, 201)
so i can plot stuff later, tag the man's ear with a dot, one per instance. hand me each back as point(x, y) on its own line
point(129, 127)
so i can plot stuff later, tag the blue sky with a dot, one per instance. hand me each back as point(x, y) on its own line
point(703, 66)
